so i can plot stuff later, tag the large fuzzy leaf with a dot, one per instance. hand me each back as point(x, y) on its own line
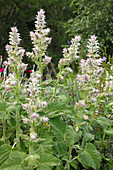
point(61, 148)
point(56, 107)
point(103, 121)
point(88, 136)
point(45, 142)
point(90, 157)
point(47, 161)
point(4, 153)
point(72, 136)
point(13, 162)
point(59, 128)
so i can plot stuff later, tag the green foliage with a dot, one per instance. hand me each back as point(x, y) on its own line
point(90, 157)
point(4, 153)
point(93, 18)
point(13, 162)
point(60, 123)
point(47, 161)
point(71, 134)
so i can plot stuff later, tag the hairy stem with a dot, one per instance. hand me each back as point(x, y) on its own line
point(17, 120)
point(4, 124)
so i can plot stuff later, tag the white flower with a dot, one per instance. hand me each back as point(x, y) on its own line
point(33, 136)
point(24, 106)
point(44, 119)
point(25, 120)
point(86, 117)
point(44, 104)
point(34, 116)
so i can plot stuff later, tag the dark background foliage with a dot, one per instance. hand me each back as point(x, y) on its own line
point(93, 17)
point(65, 18)
point(22, 14)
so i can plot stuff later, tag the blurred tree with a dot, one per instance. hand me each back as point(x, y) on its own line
point(22, 14)
point(93, 17)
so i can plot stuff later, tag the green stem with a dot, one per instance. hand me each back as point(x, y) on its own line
point(4, 131)
point(17, 120)
point(69, 159)
point(4, 124)
point(30, 148)
point(54, 93)
point(40, 67)
point(104, 133)
point(82, 144)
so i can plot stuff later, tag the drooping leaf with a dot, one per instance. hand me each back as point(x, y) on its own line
point(74, 164)
point(72, 136)
point(90, 157)
point(103, 121)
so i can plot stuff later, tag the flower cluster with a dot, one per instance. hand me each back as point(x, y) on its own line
point(91, 69)
point(93, 47)
point(11, 81)
point(39, 39)
point(15, 53)
point(70, 54)
point(34, 102)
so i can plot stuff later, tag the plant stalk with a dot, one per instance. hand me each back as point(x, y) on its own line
point(54, 93)
point(17, 120)
point(4, 124)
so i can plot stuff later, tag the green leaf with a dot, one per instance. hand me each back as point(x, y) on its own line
point(4, 153)
point(57, 107)
point(90, 157)
point(58, 127)
point(47, 161)
point(103, 121)
point(74, 164)
point(3, 106)
point(13, 162)
point(88, 136)
point(109, 131)
point(110, 164)
point(44, 145)
point(72, 136)
point(61, 149)
point(4, 115)
point(59, 167)
point(32, 159)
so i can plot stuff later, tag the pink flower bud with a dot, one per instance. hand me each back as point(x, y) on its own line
point(76, 129)
point(26, 139)
point(86, 117)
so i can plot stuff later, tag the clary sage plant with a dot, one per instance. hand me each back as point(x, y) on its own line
point(63, 123)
